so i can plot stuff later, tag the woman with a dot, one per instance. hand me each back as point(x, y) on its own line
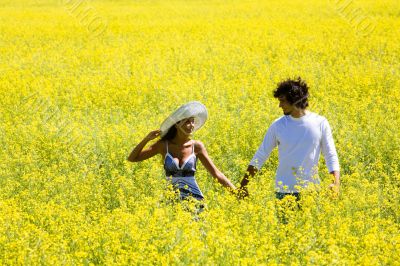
point(180, 151)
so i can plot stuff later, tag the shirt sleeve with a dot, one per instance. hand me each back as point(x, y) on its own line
point(265, 149)
point(328, 148)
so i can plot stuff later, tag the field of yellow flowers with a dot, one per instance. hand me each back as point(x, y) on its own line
point(82, 82)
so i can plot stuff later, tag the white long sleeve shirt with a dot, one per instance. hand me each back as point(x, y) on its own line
point(300, 142)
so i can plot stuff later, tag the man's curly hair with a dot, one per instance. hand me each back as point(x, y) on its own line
point(295, 90)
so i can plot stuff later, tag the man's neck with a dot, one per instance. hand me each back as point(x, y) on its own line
point(298, 113)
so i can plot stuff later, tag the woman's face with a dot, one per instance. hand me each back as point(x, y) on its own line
point(186, 126)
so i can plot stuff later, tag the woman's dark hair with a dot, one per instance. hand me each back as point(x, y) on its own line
point(170, 134)
point(295, 91)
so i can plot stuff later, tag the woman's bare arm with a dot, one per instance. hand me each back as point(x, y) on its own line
point(211, 168)
point(138, 154)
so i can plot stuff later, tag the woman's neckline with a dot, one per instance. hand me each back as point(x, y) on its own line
point(184, 161)
point(177, 163)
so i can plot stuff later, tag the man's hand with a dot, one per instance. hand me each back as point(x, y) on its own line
point(335, 186)
point(242, 192)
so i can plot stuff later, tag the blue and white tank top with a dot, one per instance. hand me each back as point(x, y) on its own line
point(182, 177)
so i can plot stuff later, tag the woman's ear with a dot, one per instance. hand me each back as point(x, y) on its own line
point(179, 124)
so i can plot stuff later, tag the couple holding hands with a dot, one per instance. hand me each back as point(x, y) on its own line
point(300, 135)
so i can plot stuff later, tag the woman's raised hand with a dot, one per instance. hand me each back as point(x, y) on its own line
point(153, 134)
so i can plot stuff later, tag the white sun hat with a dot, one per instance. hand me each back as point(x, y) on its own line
point(191, 109)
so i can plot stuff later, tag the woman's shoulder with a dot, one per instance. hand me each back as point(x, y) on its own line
point(159, 144)
point(198, 146)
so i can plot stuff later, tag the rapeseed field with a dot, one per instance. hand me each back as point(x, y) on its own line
point(82, 82)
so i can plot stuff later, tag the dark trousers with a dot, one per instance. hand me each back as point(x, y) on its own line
point(286, 209)
point(281, 195)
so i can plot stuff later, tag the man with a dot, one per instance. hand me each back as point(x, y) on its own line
point(300, 135)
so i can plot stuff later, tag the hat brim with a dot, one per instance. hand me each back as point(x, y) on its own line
point(192, 109)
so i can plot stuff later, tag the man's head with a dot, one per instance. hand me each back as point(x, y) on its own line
point(292, 95)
